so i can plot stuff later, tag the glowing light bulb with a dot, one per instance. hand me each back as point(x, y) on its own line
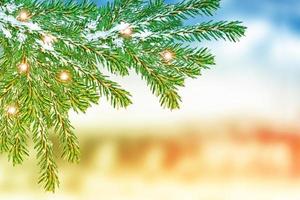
point(126, 31)
point(64, 76)
point(48, 39)
point(12, 110)
point(167, 55)
point(23, 16)
point(23, 67)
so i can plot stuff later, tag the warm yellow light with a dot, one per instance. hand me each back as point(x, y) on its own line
point(23, 67)
point(23, 16)
point(127, 32)
point(48, 39)
point(12, 110)
point(64, 76)
point(167, 55)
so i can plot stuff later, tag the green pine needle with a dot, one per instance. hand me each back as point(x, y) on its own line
point(53, 55)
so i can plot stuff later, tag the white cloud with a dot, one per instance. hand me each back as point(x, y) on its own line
point(286, 51)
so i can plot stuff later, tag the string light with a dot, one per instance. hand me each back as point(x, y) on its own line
point(48, 39)
point(64, 76)
point(23, 15)
point(167, 55)
point(127, 31)
point(12, 110)
point(23, 67)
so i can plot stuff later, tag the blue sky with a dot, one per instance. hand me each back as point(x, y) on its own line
point(282, 12)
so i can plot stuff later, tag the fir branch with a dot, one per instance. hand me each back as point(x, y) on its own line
point(189, 62)
point(121, 8)
point(53, 53)
point(113, 92)
point(68, 139)
point(5, 140)
point(42, 144)
point(161, 84)
point(18, 148)
point(44, 147)
point(196, 7)
point(182, 10)
point(208, 31)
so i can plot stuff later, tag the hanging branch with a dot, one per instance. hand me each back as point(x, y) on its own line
point(54, 52)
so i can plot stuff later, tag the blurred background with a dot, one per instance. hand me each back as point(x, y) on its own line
point(237, 135)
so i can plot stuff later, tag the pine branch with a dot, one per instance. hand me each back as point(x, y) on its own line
point(113, 92)
point(44, 148)
point(42, 144)
point(189, 62)
point(182, 10)
point(68, 139)
point(53, 54)
point(5, 140)
point(161, 84)
point(210, 30)
point(231, 31)
point(18, 148)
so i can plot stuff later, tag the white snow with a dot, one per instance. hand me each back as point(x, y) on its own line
point(105, 34)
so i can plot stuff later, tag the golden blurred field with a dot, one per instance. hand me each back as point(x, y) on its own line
point(219, 160)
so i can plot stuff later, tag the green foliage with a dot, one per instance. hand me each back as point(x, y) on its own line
point(65, 47)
